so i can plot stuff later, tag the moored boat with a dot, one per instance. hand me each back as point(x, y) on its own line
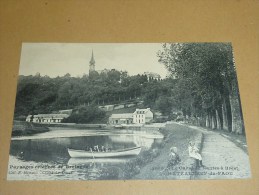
point(117, 153)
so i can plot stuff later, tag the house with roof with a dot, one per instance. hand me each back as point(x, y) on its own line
point(118, 119)
point(152, 75)
point(142, 116)
point(46, 118)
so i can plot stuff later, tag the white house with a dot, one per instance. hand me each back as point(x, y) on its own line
point(46, 118)
point(118, 119)
point(142, 116)
point(152, 75)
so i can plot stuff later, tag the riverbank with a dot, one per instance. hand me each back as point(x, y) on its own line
point(57, 132)
point(156, 165)
point(75, 125)
point(23, 128)
point(154, 126)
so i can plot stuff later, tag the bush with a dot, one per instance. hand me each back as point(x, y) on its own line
point(86, 114)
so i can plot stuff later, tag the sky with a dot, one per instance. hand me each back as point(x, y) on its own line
point(58, 59)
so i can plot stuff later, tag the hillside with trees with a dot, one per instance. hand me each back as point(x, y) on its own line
point(202, 85)
point(42, 94)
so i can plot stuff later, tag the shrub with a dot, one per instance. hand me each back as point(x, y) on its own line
point(86, 114)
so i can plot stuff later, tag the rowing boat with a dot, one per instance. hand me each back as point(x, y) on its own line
point(83, 161)
point(117, 153)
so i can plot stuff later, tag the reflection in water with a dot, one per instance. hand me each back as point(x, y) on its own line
point(55, 150)
point(52, 153)
point(137, 140)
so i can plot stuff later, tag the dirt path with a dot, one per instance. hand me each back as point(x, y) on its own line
point(222, 158)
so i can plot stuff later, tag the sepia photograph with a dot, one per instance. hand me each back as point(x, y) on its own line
point(128, 111)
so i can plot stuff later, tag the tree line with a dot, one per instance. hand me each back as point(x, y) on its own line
point(206, 83)
point(42, 94)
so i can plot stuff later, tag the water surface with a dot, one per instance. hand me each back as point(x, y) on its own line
point(45, 157)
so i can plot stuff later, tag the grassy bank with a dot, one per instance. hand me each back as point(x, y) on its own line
point(76, 126)
point(22, 128)
point(152, 164)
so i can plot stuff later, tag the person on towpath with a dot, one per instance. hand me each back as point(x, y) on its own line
point(173, 157)
point(194, 153)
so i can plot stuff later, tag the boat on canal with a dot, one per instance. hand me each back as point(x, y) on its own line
point(108, 154)
point(83, 161)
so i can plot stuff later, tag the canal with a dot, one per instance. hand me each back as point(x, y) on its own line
point(45, 157)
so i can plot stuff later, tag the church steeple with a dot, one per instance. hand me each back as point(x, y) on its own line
point(92, 63)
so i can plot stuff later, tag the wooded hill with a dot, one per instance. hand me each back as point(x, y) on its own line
point(203, 85)
point(42, 94)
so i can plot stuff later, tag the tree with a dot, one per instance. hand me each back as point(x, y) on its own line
point(206, 73)
point(86, 114)
point(164, 104)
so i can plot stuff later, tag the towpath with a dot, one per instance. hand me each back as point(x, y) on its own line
point(223, 158)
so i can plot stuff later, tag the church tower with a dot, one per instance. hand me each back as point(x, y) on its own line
point(92, 63)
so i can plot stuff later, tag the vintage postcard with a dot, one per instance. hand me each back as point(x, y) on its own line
point(128, 111)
